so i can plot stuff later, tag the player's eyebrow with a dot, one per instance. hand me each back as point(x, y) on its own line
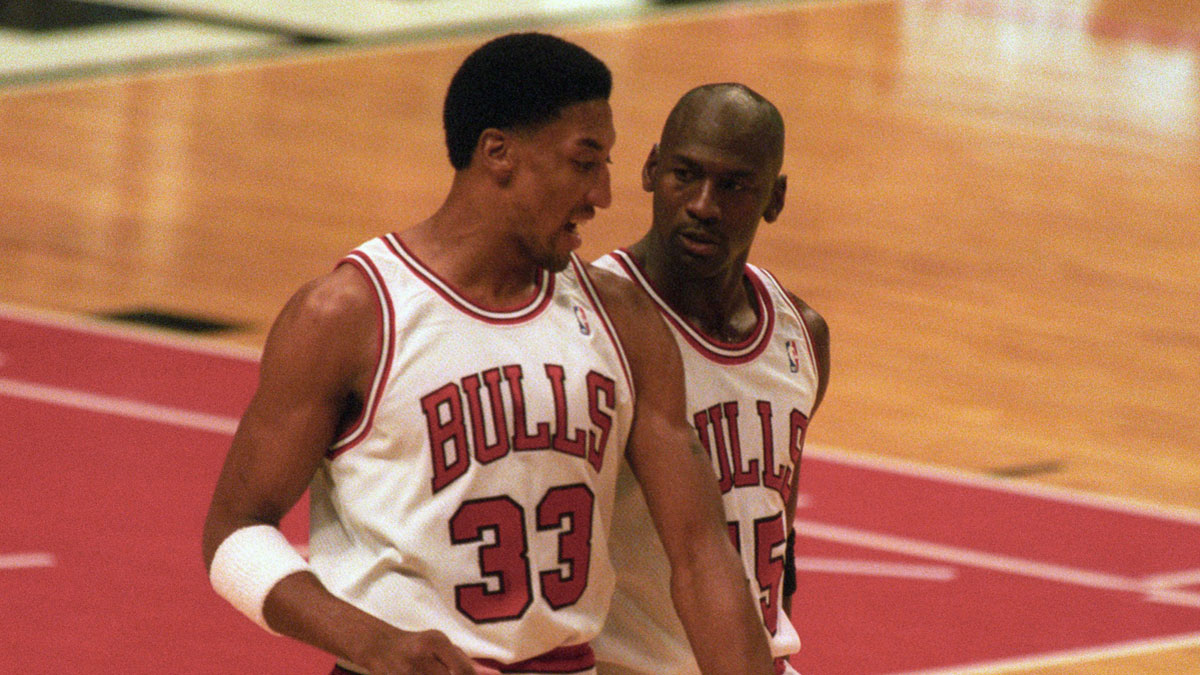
point(595, 146)
point(692, 163)
point(592, 144)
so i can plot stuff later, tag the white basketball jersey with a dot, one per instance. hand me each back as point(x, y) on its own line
point(474, 493)
point(750, 403)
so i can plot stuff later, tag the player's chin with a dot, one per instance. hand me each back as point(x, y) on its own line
point(567, 242)
point(572, 235)
point(556, 260)
point(695, 265)
point(558, 263)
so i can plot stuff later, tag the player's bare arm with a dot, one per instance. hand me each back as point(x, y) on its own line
point(316, 368)
point(708, 585)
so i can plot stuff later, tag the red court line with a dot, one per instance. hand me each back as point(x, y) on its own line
point(1038, 571)
point(59, 353)
point(119, 504)
point(906, 568)
point(109, 500)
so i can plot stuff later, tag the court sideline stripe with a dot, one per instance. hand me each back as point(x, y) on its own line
point(1005, 564)
point(22, 561)
point(831, 454)
point(835, 455)
point(112, 405)
point(85, 324)
point(1069, 657)
point(873, 568)
point(226, 425)
point(947, 474)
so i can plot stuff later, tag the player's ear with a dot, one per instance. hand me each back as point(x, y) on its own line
point(650, 169)
point(494, 152)
point(775, 205)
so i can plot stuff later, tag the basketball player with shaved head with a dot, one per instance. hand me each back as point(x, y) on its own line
point(756, 362)
point(459, 396)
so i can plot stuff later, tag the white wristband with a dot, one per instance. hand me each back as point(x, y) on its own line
point(248, 564)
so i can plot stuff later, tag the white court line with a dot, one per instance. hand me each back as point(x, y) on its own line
point(113, 405)
point(1011, 486)
point(878, 462)
point(1069, 657)
point(995, 562)
point(874, 568)
point(20, 561)
point(1174, 579)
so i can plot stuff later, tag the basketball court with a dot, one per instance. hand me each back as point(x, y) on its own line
point(992, 202)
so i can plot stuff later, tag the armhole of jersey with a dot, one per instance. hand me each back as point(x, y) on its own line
point(585, 282)
point(387, 343)
point(783, 294)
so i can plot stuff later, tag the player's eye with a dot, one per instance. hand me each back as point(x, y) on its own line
point(683, 174)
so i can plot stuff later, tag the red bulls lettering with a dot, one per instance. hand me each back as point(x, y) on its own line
point(776, 481)
point(598, 384)
point(448, 463)
point(564, 442)
point(484, 451)
point(720, 432)
point(712, 417)
point(492, 425)
point(523, 440)
point(799, 427)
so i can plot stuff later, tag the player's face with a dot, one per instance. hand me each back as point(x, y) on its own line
point(711, 188)
point(561, 179)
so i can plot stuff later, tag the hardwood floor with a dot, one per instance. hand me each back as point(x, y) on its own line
point(995, 204)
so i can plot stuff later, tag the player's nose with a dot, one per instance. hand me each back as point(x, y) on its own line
point(600, 195)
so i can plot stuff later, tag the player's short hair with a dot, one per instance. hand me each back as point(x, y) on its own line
point(520, 80)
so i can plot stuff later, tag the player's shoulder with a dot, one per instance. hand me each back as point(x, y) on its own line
point(818, 332)
point(633, 313)
point(329, 326)
point(341, 294)
point(331, 305)
point(609, 262)
point(817, 327)
point(616, 290)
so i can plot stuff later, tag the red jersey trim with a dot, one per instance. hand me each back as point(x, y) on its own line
point(812, 355)
point(571, 659)
point(590, 290)
point(724, 353)
point(539, 301)
point(387, 345)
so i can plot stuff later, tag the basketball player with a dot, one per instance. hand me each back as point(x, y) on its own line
point(756, 361)
point(460, 397)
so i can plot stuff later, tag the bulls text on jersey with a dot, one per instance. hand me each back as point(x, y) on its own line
point(460, 434)
point(719, 428)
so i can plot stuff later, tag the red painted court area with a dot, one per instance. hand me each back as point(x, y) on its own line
point(112, 442)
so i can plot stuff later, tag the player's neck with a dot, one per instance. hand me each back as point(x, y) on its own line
point(465, 249)
point(722, 306)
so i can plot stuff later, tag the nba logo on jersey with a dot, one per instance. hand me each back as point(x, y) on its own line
point(581, 317)
point(793, 356)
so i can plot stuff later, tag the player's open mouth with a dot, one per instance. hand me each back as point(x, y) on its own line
point(698, 244)
point(574, 240)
